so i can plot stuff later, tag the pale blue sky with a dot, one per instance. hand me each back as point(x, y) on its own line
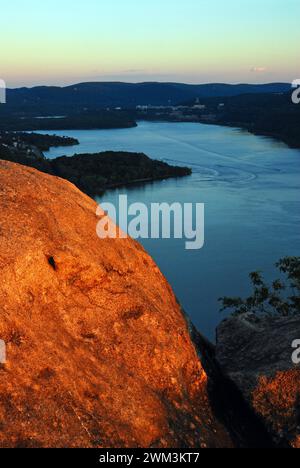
point(65, 41)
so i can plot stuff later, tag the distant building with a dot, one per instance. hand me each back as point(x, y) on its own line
point(199, 106)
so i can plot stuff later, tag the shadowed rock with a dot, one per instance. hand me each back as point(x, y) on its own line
point(256, 354)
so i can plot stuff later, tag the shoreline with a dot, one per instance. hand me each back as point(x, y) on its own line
point(236, 125)
point(141, 182)
point(274, 136)
point(95, 173)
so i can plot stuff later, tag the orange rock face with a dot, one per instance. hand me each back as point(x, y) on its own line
point(98, 350)
point(275, 400)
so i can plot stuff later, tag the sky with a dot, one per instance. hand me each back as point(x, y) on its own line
point(194, 41)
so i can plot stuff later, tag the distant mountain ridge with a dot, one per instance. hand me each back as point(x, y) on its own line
point(99, 95)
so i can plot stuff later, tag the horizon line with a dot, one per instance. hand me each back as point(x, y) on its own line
point(150, 82)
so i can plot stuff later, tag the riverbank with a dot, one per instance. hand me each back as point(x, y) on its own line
point(271, 115)
point(96, 173)
point(91, 173)
point(84, 120)
point(291, 141)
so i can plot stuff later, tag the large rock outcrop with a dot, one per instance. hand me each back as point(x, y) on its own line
point(256, 355)
point(98, 350)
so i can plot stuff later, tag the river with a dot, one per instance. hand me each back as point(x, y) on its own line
point(251, 189)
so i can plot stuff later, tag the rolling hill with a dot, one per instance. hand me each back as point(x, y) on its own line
point(56, 100)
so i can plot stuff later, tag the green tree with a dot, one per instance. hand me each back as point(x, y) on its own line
point(282, 298)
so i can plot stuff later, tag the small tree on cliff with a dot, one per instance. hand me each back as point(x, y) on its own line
point(282, 298)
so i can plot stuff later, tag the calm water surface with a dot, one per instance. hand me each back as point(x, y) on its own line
point(250, 186)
